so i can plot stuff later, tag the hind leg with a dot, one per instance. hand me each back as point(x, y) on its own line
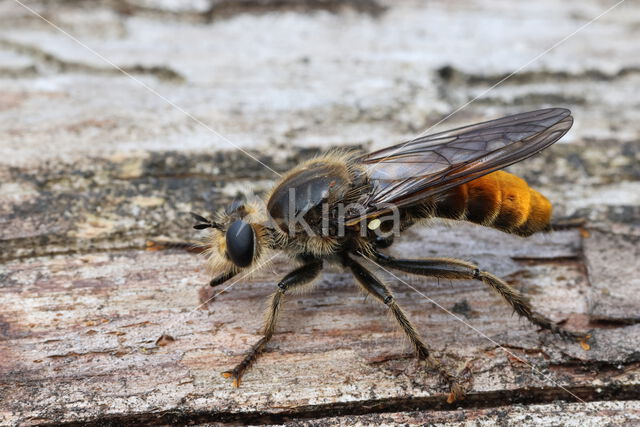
point(457, 269)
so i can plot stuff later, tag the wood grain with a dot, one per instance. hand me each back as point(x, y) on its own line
point(96, 328)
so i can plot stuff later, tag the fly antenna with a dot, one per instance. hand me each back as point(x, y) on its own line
point(204, 222)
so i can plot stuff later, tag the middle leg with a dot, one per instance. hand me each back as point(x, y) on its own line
point(376, 288)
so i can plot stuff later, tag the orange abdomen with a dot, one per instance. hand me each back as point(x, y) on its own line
point(499, 200)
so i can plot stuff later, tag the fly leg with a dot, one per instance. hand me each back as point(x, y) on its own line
point(159, 245)
point(298, 277)
point(457, 269)
point(376, 288)
point(219, 280)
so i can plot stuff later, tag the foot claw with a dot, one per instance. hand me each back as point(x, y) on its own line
point(583, 342)
point(457, 392)
point(236, 378)
point(581, 337)
point(153, 245)
point(458, 384)
point(455, 395)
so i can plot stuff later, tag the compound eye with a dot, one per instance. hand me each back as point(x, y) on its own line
point(240, 242)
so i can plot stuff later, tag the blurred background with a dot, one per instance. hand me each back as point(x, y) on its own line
point(118, 117)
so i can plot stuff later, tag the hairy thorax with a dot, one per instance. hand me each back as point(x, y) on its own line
point(308, 206)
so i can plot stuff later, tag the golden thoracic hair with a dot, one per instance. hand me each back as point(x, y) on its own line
point(340, 163)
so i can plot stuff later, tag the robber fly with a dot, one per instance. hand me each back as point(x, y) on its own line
point(342, 207)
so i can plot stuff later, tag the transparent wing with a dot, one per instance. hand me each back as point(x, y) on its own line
point(407, 173)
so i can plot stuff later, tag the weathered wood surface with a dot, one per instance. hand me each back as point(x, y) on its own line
point(92, 165)
point(559, 413)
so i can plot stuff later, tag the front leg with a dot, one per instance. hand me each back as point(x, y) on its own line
point(376, 288)
point(457, 269)
point(219, 280)
point(298, 277)
point(159, 245)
